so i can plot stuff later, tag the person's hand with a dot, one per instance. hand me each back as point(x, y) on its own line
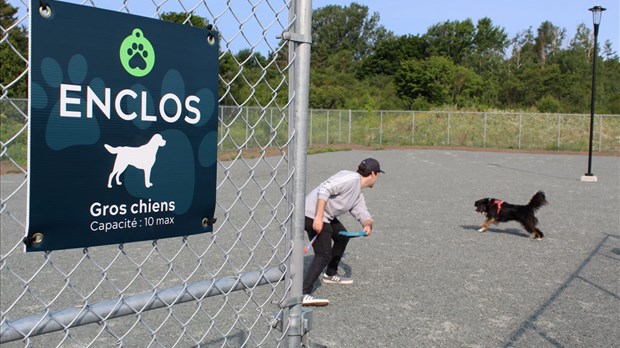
point(317, 225)
point(368, 230)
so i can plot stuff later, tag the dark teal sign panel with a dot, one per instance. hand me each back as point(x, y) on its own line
point(123, 128)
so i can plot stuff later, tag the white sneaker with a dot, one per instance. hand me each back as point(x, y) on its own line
point(309, 300)
point(335, 279)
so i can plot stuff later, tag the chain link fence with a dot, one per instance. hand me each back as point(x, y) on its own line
point(229, 288)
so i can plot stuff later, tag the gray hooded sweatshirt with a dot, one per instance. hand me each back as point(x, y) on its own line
point(343, 193)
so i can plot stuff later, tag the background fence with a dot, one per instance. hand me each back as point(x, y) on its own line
point(228, 288)
point(470, 129)
point(253, 127)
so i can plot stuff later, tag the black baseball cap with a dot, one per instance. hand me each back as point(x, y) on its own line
point(372, 165)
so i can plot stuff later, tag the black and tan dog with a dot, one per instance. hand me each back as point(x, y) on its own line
point(497, 211)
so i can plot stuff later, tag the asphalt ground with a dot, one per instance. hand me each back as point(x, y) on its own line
point(428, 278)
point(425, 278)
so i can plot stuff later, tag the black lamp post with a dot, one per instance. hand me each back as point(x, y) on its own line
point(597, 11)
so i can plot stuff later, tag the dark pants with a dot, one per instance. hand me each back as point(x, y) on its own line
point(324, 253)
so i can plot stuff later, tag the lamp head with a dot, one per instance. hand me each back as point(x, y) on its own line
point(597, 11)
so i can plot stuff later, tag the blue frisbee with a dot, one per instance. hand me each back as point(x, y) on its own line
point(352, 234)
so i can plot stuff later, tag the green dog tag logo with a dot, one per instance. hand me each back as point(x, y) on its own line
point(137, 54)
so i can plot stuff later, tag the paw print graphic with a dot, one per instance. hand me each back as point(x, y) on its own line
point(60, 131)
point(137, 54)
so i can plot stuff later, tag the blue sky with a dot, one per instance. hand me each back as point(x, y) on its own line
point(414, 16)
point(399, 16)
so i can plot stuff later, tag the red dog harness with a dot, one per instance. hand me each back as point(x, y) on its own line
point(499, 205)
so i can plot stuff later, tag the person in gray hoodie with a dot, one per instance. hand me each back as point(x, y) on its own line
point(339, 194)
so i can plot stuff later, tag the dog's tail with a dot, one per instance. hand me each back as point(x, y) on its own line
point(110, 149)
point(537, 201)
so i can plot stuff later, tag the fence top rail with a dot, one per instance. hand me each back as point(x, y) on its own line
point(477, 112)
point(435, 111)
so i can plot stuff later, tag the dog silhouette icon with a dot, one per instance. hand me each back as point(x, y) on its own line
point(142, 157)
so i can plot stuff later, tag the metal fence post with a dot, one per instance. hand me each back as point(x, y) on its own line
point(520, 125)
point(600, 133)
point(310, 140)
point(484, 144)
point(221, 135)
point(559, 125)
point(349, 126)
point(327, 129)
point(381, 129)
point(302, 9)
point(449, 128)
point(339, 126)
point(413, 128)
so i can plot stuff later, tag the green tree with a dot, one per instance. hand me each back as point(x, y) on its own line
point(381, 93)
point(438, 81)
point(548, 104)
point(581, 41)
point(488, 47)
point(480, 47)
point(574, 80)
point(13, 53)
point(337, 28)
point(249, 78)
point(524, 88)
point(608, 88)
point(573, 84)
point(250, 59)
point(548, 41)
point(487, 62)
point(333, 84)
point(522, 50)
point(390, 52)
point(608, 52)
point(185, 18)
point(452, 39)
